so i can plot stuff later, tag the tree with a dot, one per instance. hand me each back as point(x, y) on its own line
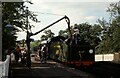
point(63, 33)
point(103, 46)
point(35, 44)
point(111, 33)
point(114, 11)
point(44, 37)
point(48, 34)
point(89, 33)
point(114, 32)
point(14, 13)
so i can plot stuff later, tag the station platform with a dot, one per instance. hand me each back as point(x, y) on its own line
point(50, 69)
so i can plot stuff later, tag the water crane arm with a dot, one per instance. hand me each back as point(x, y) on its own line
point(65, 17)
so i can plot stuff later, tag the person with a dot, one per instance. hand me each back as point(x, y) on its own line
point(76, 35)
point(17, 54)
point(76, 31)
point(23, 56)
point(43, 53)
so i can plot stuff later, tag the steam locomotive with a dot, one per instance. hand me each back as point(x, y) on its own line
point(67, 51)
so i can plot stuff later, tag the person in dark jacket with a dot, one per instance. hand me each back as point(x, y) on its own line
point(17, 54)
point(43, 53)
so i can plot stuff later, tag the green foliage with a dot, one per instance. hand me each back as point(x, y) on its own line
point(111, 32)
point(63, 33)
point(89, 33)
point(113, 10)
point(35, 43)
point(14, 13)
point(116, 37)
point(9, 15)
point(48, 34)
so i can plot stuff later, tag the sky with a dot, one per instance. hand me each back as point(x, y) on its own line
point(78, 11)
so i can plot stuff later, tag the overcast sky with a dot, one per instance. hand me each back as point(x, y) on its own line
point(79, 11)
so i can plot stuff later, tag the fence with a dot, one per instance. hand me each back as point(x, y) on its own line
point(4, 67)
point(107, 57)
point(104, 57)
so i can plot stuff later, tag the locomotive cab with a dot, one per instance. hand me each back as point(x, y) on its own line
point(81, 54)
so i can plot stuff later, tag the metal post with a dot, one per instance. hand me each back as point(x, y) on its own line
point(28, 42)
point(0, 31)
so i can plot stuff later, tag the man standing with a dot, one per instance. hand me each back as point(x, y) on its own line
point(43, 53)
point(17, 54)
point(76, 35)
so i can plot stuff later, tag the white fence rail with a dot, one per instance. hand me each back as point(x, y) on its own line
point(104, 57)
point(4, 67)
point(108, 57)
